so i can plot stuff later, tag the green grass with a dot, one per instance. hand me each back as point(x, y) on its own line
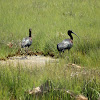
point(49, 21)
point(15, 82)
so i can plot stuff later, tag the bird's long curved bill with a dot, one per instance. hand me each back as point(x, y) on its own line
point(75, 34)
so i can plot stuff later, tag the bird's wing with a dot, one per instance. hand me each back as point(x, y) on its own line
point(25, 41)
point(65, 44)
point(61, 46)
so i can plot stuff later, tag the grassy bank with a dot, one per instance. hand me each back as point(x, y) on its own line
point(14, 82)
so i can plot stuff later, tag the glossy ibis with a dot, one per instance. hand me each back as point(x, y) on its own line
point(66, 44)
point(26, 42)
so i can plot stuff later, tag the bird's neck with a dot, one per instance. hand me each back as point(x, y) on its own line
point(29, 33)
point(71, 37)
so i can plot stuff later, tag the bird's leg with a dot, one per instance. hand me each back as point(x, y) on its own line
point(25, 49)
point(59, 53)
point(26, 52)
point(68, 55)
point(21, 51)
point(63, 50)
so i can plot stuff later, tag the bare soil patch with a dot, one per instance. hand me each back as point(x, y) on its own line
point(33, 60)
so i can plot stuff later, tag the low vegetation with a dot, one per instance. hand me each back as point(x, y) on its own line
point(15, 82)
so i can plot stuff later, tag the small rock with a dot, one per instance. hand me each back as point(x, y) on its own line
point(45, 87)
point(74, 66)
point(81, 97)
point(35, 90)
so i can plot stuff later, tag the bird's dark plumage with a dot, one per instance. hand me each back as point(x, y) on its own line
point(26, 42)
point(67, 43)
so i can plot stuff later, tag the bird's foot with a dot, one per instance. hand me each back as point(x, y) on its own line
point(67, 57)
point(24, 58)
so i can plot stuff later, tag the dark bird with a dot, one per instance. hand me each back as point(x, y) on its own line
point(26, 42)
point(66, 44)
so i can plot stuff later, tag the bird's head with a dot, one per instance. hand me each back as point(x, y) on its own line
point(30, 29)
point(70, 31)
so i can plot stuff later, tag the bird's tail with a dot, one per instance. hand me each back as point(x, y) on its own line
point(57, 47)
point(22, 46)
